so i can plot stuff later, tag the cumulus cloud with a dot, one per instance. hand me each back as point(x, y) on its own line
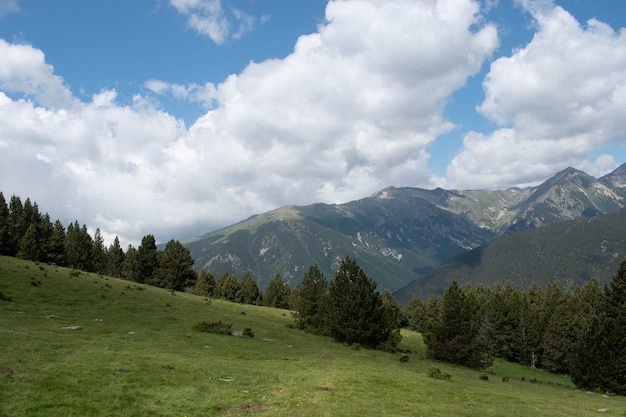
point(210, 18)
point(351, 110)
point(557, 100)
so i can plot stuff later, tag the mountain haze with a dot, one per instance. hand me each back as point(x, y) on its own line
point(399, 234)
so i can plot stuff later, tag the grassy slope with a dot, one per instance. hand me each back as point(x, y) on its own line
point(136, 355)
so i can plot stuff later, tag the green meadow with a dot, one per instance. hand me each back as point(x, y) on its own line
point(136, 354)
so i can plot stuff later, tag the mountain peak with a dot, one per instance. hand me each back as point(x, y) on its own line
point(616, 178)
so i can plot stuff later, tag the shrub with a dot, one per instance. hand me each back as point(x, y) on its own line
point(248, 332)
point(435, 372)
point(216, 327)
point(404, 357)
point(483, 376)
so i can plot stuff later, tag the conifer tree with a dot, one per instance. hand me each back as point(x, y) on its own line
point(227, 287)
point(415, 313)
point(78, 243)
point(146, 260)
point(56, 244)
point(5, 231)
point(130, 268)
point(308, 300)
point(17, 224)
point(31, 245)
point(99, 253)
point(599, 360)
point(205, 284)
point(458, 334)
point(248, 290)
point(174, 267)
point(353, 309)
point(277, 293)
point(115, 259)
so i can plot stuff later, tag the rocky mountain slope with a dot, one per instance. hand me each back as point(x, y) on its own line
point(399, 234)
point(570, 252)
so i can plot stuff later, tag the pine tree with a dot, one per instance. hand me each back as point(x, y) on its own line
point(56, 244)
point(31, 245)
point(205, 284)
point(130, 268)
point(458, 335)
point(115, 259)
point(308, 300)
point(146, 261)
point(78, 243)
point(5, 227)
point(353, 308)
point(277, 293)
point(393, 318)
point(17, 224)
point(599, 360)
point(415, 313)
point(99, 253)
point(248, 290)
point(227, 287)
point(503, 312)
point(175, 267)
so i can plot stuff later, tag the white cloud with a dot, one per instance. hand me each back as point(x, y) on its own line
point(557, 99)
point(210, 18)
point(23, 70)
point(195, 93)
point(351, 110)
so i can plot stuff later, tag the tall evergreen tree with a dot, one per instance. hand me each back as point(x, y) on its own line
point(5, 227)
point(175, 267)
point(99, 253)
point(130, 268)
point(78, 243)
point(205, 284)
point(17, 225)
point(115, 259)
point(353, 309)
point(458, 335)
point(56, 244)
point(146, 260)
point(415, 313)
point(392, 318)
point(277, 293)
point(227, 287)
point(308, 300)
point(249, 292)
point(31, 245)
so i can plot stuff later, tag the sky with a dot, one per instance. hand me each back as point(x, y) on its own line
point(178, 117)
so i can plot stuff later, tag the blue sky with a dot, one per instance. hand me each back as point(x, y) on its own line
point(176, 117)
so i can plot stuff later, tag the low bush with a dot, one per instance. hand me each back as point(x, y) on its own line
point(435, 372)
point(483, 376)
point(216, 327)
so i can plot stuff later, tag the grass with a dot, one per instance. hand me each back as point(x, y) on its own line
point(137, 355)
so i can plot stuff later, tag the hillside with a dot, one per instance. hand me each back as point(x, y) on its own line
point(136, 354)
point(570, 252)
point(399, 234)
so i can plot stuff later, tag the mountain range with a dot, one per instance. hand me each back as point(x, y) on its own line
point(398, 235)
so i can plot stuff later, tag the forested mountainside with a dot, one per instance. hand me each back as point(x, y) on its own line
point(400, 234)
point(570, 253)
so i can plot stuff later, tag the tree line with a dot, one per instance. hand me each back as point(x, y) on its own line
point(579, 332)
point(28, 234)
